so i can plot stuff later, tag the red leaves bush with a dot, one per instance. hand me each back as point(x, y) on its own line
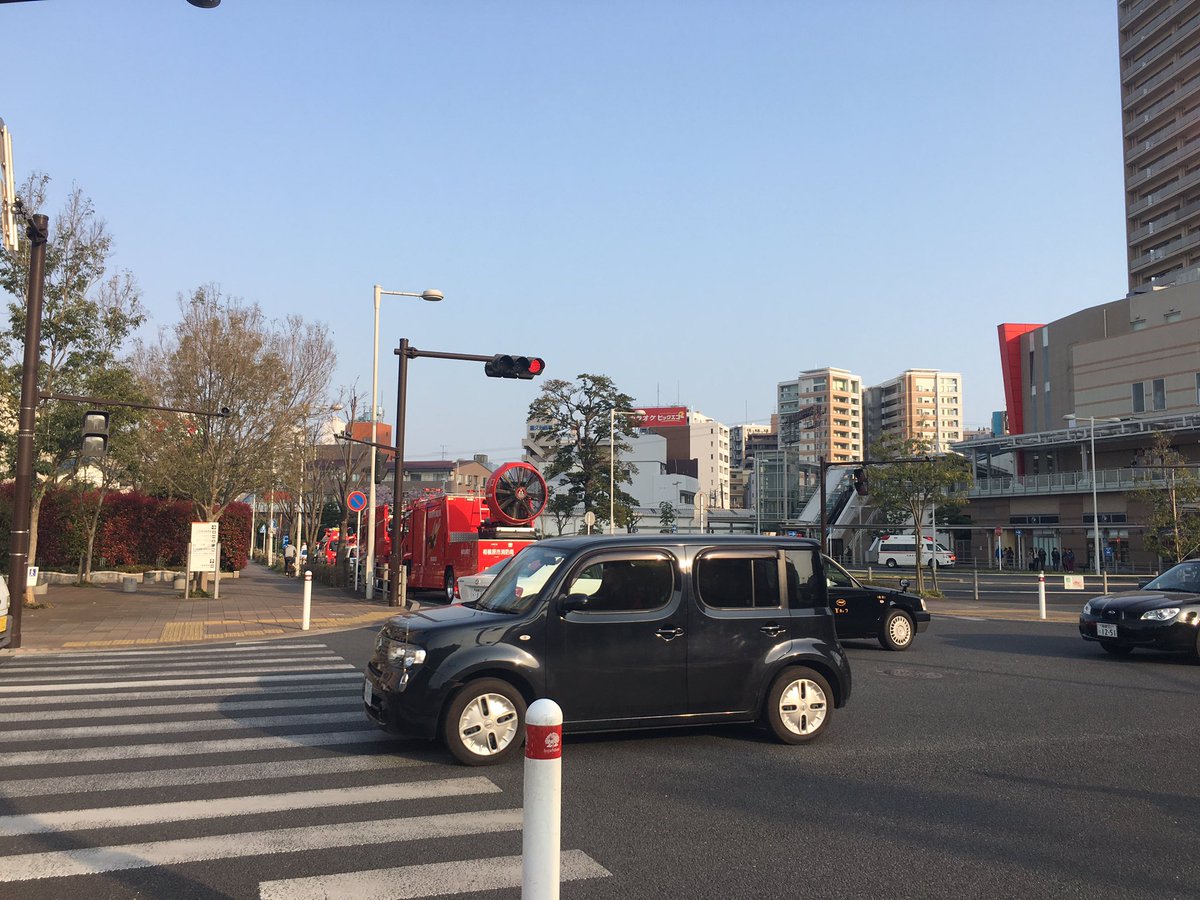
point(134, 529)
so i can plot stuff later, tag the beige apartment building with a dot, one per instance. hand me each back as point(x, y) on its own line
point(1160, 118)
point(920, 404)
point(835, 429)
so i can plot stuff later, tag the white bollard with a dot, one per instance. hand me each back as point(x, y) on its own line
point(542, 823)
point(1042, 594)
point(307, 600)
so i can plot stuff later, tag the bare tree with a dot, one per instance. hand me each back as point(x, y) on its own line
point(224, 353)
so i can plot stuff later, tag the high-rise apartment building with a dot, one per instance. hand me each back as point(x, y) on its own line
point(740, 437)
point(835, 429)
point(919, 404)
point(1160, 109)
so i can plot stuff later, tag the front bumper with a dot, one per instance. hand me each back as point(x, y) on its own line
point(1173, 636)
point(398, 705)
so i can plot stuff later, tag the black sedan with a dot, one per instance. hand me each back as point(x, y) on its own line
point(1163, 614)
point(866, 611)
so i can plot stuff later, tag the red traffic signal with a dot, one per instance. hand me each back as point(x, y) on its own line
point(504, 366)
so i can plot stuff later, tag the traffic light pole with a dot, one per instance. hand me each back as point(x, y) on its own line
point(856, 464)
point(38, 233)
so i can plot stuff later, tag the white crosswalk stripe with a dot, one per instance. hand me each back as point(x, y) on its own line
point(95, 779)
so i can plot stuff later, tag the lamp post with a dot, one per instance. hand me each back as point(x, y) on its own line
point(1071, 417)
point(612, 461)
point(433, 297)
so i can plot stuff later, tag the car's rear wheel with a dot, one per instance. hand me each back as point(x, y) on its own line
point(485, 722)
point(897, 632)
point(1116, 649)
point(799, 705)
point(891, 563)
point(449, 585)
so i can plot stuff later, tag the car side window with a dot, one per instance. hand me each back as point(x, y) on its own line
point(728, 581)
point(625, 585)
point(803, 580)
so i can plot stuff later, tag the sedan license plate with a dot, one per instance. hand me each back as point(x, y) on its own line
point(367, 692)
point(1103, 630)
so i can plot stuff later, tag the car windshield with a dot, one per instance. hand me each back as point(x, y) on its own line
point(1183, 577)
point(520, 583)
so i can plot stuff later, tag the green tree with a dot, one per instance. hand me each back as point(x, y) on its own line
point(907, 489)
point(271, 376)
point(666, 516)
point(1172, 499)
point(88, 313)
point(579, 415)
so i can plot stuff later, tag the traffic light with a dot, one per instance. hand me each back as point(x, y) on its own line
point(382, 466)
point(503, 366)
point(95, 434)
point(860, 482)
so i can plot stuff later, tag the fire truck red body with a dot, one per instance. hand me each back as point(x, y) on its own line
point(448, 536)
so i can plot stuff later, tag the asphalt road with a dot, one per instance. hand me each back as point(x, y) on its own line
point(993, 759)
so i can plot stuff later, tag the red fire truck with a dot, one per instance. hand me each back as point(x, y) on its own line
point(447, 535)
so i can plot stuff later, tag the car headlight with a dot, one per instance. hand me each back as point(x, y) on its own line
point(402, 655)
point(1087, 608)
point(1161, 615)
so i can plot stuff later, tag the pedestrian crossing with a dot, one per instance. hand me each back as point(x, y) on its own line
point(246, 770)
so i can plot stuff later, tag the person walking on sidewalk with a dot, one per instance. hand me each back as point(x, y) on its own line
point(289, 559)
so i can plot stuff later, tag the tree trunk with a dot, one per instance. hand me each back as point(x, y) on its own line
point(35, 511)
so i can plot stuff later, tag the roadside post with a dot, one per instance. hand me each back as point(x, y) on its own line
point(542, 817)
point(304, 619)
point(1042, 594)
point(976, 573)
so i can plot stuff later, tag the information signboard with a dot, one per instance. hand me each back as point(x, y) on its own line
point(203, 557)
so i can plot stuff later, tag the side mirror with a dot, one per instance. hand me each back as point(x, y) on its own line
point(904, 583)
point(575, 603)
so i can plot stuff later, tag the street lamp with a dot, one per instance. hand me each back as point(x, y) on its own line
point(1071, 417)
point(612, 461)
point(433, 297)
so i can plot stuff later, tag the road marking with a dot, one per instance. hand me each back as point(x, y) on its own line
point(87, 656)
point(174, 709)
point(191, 748)
point(257, 668)
point(191, 775)
point(260, 680)
point(428, 880)
point(221, 808)
point(95, 860)
point(202, 726)
point(272, 689)
point(162, 667)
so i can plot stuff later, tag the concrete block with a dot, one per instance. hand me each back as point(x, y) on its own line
point(129, 584)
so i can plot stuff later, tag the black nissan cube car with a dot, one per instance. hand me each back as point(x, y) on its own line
point(622, 632)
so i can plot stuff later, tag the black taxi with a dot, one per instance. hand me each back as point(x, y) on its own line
point(893, 617)
point(628, 631)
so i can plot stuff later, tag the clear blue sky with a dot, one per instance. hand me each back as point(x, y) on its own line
point(699, 199)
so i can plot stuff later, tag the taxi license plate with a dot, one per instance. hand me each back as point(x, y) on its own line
point(367, 693)
point(1103, 630)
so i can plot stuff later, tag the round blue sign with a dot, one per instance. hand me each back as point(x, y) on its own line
point(356, 501)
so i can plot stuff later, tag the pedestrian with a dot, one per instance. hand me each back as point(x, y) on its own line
point(303, 554)
point(1042, 558)
point(1008, 556)
point(1069, 560)
point(1055, 558)
point(289, 559)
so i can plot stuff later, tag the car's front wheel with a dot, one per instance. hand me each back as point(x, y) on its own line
point(891, 563)
point(896, 632)
point(799, 705)
point(485, 722)
point(1116, 649)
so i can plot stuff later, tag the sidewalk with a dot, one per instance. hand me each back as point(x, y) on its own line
point(259, 603)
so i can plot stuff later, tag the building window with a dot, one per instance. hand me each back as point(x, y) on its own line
point(1139, 396)
point(1160, 394)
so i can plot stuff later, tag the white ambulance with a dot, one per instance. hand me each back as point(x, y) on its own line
point(894, 550)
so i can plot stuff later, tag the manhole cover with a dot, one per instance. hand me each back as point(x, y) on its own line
point(911, 673)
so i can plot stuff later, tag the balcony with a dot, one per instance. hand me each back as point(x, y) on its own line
point(1107, 480)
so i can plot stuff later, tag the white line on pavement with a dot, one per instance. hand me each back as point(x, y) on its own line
point(257, 668)
point(163, 666)
point(88, 655)
point(427, 880)
point(225, 807)
point(93, 860)
point(248, 691)
point(191, 775)
point(201, 726)
point(369, 735)
point(175, 709)
point(260, 680)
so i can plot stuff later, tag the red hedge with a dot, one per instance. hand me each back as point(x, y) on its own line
point(135, 529)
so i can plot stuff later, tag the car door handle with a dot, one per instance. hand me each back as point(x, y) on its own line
point(772, 630)
point(670, 633)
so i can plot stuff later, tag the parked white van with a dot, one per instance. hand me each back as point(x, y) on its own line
point(901, 550)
